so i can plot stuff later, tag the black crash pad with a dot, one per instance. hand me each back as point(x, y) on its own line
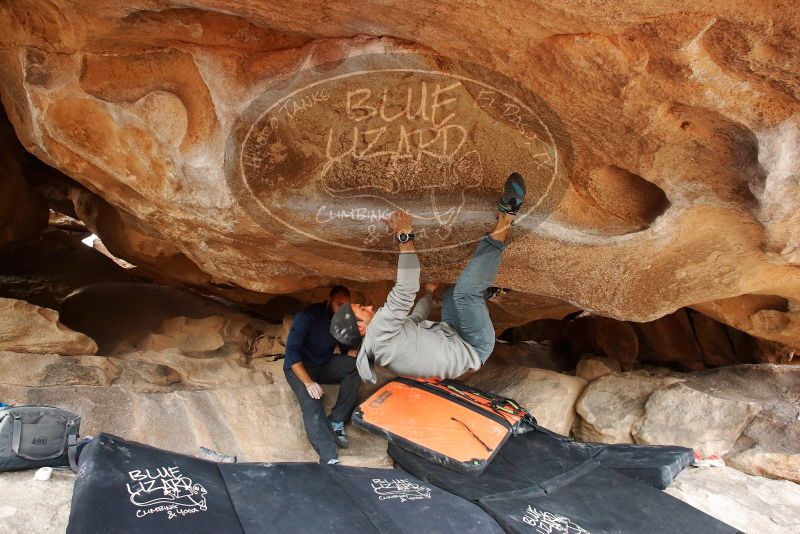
point(553, 484)
point(128, 487)
point(317, 498)
point(656, 465)
point(124, 486)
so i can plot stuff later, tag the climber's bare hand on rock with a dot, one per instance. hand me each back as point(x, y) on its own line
point(399, 221)
point(430, 288)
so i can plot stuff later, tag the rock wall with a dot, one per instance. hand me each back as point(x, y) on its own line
point(184, 382)
point(249, 148)
point(192, 382)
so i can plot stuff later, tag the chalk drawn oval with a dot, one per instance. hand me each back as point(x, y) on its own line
point(320, 157)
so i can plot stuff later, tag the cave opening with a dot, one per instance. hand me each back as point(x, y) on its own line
point(683, 341)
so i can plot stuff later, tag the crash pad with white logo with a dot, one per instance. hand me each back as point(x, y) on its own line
point(124, 486)
point(541, 482)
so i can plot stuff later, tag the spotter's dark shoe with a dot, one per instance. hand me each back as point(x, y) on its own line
point(513, 194)
point(339, 435)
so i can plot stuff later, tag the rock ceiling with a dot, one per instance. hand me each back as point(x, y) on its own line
point(251, 147)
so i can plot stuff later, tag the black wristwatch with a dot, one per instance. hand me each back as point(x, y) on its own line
point(404, 237)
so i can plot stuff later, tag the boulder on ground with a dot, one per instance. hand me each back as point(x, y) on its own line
point(770, 445)
point(591, 368)
point(610, 405)
point(749, 503)
point(548, 395)
point(28, 328)
point(681, 415)
point(713, 412)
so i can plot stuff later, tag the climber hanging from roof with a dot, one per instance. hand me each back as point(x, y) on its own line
point(400, 338)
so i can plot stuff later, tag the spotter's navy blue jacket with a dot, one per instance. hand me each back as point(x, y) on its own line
point(310, 339)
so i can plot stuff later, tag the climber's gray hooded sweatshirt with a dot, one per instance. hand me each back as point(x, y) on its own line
point(408, 344)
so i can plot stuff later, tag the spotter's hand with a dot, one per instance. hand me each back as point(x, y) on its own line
point(314, 390)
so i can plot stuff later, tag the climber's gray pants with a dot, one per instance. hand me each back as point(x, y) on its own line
point(464, 305)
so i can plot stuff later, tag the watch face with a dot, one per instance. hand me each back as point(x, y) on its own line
point(402, 237)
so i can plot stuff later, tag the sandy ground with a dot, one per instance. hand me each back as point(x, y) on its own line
point(29, 506)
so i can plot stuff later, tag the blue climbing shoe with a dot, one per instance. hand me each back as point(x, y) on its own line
point(513, 194)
